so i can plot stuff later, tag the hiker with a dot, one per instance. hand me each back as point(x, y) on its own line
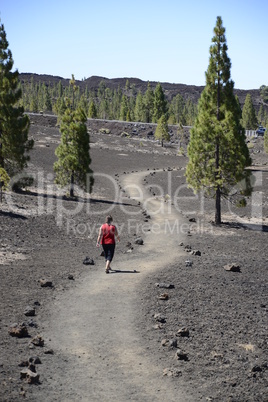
point(106, 238)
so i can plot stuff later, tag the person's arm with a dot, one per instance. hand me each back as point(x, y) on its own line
point(116, 234)
point(99, 237)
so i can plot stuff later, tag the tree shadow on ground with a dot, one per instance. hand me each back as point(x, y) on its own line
point(73, 199)
point(13, 215)
point(247, 226)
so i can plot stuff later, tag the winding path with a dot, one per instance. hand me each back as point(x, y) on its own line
point(93, 329)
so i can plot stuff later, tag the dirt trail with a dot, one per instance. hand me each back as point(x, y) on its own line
point(92, 327)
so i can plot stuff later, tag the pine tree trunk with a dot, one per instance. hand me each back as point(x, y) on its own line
point(1, 153)
point(72, 185)
point(218, 207)
point(217, 157)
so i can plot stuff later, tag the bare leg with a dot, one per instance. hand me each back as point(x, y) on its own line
point(108, 263)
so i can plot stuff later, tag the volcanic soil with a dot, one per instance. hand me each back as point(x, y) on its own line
point(171, 321)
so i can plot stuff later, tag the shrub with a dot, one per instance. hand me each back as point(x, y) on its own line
point(105, 131)
point(22, 183)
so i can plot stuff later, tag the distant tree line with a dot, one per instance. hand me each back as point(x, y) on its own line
point(126, 104)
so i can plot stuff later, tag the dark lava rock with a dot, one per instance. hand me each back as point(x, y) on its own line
point(184, 332)
point(18, 330)
point(45, 283)
point(196, 252)
point(232, 267)
point(38, 340)
point(88, 261)
point(165, 285)
point(180, 355)
point(29, 311)
point(29, 376)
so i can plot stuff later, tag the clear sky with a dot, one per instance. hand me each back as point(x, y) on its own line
point(165, 41)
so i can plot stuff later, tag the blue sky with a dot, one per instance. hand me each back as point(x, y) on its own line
point(165, 41)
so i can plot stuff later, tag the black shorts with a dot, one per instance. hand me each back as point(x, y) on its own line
point(108, 251)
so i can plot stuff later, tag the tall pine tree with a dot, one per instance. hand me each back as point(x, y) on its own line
point(14, 124)
point(73, 164)
point(218, 154)
point(160, 103)
point(148, 104)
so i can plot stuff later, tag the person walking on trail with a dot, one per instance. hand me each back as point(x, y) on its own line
point(106, 238)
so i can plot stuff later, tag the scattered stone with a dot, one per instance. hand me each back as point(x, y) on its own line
point(29, 376)
point(188, 248)
point(49, 352)
point(71, 277)
point(184, 332)
point(181, 244)
point(18, 330)
point(188, 263)
point(192, 220)
point(173, 343)
point(128, 244)
point(165, 285)
point(23, 363)
point(29, 311)
point(159, 318)
point(158, 326)
point(31, 367)
point(164, 342)
point(88, 261)
point(36, 303)
point(195, 252)
point(139, 241)
point(180, 355)
point(256, 369)
point(35, 360)
point(232, 267)
point(32, 323)
point(38, 341)
point(169, 372)
point(163, 296)
point(45, 283)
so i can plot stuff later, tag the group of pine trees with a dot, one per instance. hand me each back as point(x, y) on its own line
point(218, 154)
point(126, 104)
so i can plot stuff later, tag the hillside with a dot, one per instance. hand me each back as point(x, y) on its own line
point(192, 92)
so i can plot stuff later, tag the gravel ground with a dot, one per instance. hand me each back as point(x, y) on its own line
point(222, 353)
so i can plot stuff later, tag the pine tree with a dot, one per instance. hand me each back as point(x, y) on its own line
point(261, 115)
point(138, 112)
point(92, 111)
point(14, 124)
point(148, 104)
point(47, 105)
point(178, 107)
point(218, 154)
point(249, 119)
point(160, 103)
point(161, 132)
point(124, 109)
point(72, 166)
point(265, 139)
